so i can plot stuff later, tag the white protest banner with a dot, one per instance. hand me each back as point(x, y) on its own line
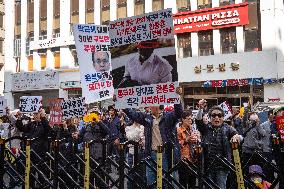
point(3, 105)
point(227, 110)
point(74, 107)
point(30, 104)
point(92, 45)
point(143, 52)
point(147, 95)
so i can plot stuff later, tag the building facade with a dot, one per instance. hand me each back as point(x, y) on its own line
point(2, 38)
point(40, 46)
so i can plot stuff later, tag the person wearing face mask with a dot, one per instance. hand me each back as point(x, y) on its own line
point(257, 177)
point(254, 136)
point(216, 136)
point(187, 138)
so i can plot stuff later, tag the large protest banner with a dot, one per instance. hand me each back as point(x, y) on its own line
point(143, 53)
point(30, 104)
point(73, 108)
point(92, 45)
point(3, 105)
point(56, 113)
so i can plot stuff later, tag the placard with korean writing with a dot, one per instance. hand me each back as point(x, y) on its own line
point(73, 108)
point(3, 105)
point(227, 110)
point(92, 45)
point(56, 113)
point(147, 95)
point(30, 104)
point(143, 50)
point(280, 126)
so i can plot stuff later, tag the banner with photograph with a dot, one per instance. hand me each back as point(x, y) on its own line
point(147, 95)
point(3, 105)
point(56, 114)
point(30, 104)
point(280, 126)
point(73, 108)
point(92, 46)
point(227, 110)
point(143, 52)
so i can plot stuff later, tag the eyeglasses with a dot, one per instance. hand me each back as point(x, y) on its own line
point(218, 115)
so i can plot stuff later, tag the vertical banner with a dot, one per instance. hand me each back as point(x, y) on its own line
point(73, 108)
point(30, 104)
point(92, 45)
point(143, 55)
point(280, 126)
point(3, 105)
point(56, 114)
point(227, 110)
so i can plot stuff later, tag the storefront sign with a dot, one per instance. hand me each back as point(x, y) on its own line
point(211, 18)
point(70, 84)
point(273, 99)
point(53, 42)
point(35, 80)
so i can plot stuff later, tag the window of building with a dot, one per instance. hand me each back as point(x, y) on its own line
point(105, 14)
point(226, 2)
point(56, 60)
point(202, 4)
point(205, 41)
point(252, 32)
point(1, 46)
point(56, 17)
point(183, 5)
point(228, 40)
point(18, 13)
point(1, 21)
point(74, 10)
point(158, 5)
point(30, 16)
point(139, 7)
point(43, 61)
point(89, 8)
point(74, 93)
point(43, 18)
point(121, 9)
point(184, 45)
point(30, 63)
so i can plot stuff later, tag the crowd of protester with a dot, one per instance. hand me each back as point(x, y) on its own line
point(154, 126)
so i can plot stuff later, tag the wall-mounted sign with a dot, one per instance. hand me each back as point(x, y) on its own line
point(273, 99)
point(35, 80)
point(70, 84)
point(211, 18)
point(53, 42)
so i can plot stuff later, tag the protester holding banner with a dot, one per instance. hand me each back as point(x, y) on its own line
point(157, 127)
point(216, 137)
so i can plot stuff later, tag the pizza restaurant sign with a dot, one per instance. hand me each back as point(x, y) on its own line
point(211, 18)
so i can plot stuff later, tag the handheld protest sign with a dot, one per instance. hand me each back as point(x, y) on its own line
point(92, 44)
point(30, 104)
point(144, 60)
point(227, 110)
point(56, 114)
point(73, 108)
point(3, 105)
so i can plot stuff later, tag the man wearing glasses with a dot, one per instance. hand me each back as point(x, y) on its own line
point(101, 61)
point(216, 136)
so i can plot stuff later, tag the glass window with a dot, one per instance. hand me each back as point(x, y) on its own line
point(1, 21)
point(158, 5)
point(205, 41)
point(183, 5)
point(233, 89)
point(56, 17)
point(201, 4)
point(139, 7)
point(121, 9)
point(228, 40)
point(74, 10)
point(89, 8)
point(1, 46)
point(184, 45)
point(30, 16)
point(74, 93)
point(43, 17)
point(226, 2)
point(105, 14)
point(252, 40)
